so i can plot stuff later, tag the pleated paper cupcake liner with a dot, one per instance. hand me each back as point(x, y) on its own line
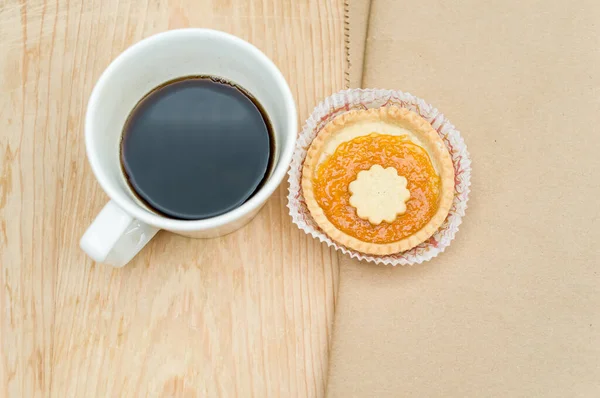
point(348, 100)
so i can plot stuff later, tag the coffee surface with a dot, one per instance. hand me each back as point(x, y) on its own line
point(196, 148)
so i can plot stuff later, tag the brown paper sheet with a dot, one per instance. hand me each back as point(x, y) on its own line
point(512, 308)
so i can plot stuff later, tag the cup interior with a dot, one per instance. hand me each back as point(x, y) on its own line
point(167, 56)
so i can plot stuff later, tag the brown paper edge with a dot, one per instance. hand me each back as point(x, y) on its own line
point(356, 25)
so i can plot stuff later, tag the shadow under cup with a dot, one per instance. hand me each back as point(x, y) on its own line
point(166, 57)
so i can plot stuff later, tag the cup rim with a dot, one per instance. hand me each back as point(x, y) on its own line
point(251, 205)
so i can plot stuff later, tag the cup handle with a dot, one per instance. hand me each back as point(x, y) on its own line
point(115, 237)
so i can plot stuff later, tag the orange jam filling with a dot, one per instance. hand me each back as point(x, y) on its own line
point(341, 168)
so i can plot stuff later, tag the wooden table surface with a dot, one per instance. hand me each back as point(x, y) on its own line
point(249, 314)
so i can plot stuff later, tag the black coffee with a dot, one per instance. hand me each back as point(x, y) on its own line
point(196, 147)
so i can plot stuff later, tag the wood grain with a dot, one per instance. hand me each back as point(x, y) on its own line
point(245, 315)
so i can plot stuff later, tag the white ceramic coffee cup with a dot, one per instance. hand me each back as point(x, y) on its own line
point(125, 225)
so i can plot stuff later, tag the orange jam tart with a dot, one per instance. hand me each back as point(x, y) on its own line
point(335, 174)
point(379, 181)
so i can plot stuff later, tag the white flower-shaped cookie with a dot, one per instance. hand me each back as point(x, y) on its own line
point(379, 194)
